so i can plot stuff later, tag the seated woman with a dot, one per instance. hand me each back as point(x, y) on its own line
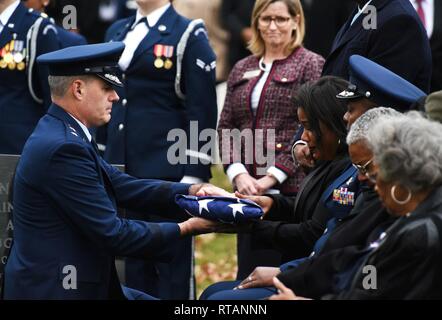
point(314, 275)
point(292, 225)
point(406, 257)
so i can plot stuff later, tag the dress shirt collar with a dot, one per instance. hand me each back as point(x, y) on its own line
point(153, 17)
point(83, 127)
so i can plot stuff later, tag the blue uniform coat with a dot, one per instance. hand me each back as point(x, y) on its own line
point(65, 214)
point(19, 112)
point(149, 108)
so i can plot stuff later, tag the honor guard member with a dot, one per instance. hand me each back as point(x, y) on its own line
point(169, 84)
point(24, 91)
point(66, 228)
point(66, 38)
point(372, 85)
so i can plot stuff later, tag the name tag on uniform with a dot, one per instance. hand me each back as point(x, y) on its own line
point(251, 74)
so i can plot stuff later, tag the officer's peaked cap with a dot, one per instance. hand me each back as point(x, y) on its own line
point(94, 59)
point(380, 85)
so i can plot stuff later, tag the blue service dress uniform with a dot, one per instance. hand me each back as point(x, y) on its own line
point(24, 92)
point(162, 93)
point(65, 217)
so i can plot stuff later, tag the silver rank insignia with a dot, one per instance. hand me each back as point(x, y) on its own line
point(204, 66)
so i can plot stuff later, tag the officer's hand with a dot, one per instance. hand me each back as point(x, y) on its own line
point(265, 183)
point(207, 189)
point(195, 226)
point(246, 184)
point(263, 201)
point(284, 293)
point(260, 277)
point(303, 156)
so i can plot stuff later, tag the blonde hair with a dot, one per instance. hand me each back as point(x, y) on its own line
point(256, 44)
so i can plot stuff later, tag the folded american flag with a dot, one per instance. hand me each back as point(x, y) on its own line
point(223, 209)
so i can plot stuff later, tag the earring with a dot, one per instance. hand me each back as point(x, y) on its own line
point(400, 202)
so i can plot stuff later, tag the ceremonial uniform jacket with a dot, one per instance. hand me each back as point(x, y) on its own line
point(65, 216)
point(20, 109)
point(153, 102)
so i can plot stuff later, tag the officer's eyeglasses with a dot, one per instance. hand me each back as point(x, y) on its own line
point(363, 169)
point(279, 21)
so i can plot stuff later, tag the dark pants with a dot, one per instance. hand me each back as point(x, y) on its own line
point(174, 280)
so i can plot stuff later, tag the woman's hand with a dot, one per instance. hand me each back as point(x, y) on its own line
point(260, 277)
point(265, 183)
point(246, 184)
point(303, 156)
point(284, 293)
point(263, 201)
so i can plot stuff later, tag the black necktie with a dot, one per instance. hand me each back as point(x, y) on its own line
point(95, 146)
point(142, 20)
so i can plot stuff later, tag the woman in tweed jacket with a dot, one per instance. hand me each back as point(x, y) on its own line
point(259, 94)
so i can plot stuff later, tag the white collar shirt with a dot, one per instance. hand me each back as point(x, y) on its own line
point(428, 7)
point(84, 128)
point(137, 33)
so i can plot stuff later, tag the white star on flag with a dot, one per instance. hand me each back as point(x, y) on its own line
point(203, 205)
point(237, 207)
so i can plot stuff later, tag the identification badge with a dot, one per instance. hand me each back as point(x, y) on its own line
point(251, 74)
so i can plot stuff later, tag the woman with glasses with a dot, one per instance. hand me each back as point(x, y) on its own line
point(259, 101)
point(294, 224)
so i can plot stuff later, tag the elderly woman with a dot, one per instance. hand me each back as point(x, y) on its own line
point(259, 99)
point(404, 262)
point(408, 154)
